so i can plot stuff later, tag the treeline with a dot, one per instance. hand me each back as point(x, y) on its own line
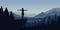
point(7, 20)
point(48, 23)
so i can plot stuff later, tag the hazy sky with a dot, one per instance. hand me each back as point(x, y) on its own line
point(34, 7)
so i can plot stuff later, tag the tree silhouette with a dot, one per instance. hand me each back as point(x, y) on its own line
point(1, 10)
point(1, 17)
point(49, 19)
point(1, 13)
point(11, 15)
point(6, 12)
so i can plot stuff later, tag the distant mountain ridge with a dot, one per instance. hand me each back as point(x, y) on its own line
point(38, 19)
point(49, 13)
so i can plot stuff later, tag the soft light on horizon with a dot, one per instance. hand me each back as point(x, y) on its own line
point(34, 7)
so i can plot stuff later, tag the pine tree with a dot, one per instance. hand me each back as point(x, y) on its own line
point(1, 13)
point(1, 10)
point(11, 18)
point(55, 18)
point(11, 15)
point(6, 13)
point(1, 17)
point(49, 19)
point(6, 16)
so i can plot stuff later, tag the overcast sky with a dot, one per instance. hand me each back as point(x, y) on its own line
point(34, 7)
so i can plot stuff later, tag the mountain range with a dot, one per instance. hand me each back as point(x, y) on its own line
point(37, 19)
point(54, 11)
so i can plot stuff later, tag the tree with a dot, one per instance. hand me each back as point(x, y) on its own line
point(6, 16)
point(49, 19)
point(11, 15)
point(55, 18)
point(1, 17)
point(1, 9)
point(11, 19)
point(6, 13)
